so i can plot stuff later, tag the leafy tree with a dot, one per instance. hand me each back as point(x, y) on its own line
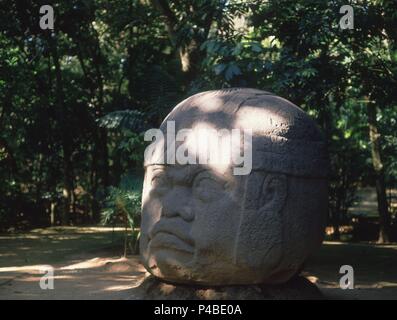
point(75, 100)
point(319, 66)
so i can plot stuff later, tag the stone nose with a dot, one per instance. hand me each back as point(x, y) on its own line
point(177, 203)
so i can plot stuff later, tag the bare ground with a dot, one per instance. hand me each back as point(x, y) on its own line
point(87, 265)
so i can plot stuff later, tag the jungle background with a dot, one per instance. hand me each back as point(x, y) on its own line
point(76, 100)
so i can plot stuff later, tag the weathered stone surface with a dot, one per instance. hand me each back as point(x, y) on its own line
point(298, 288)
point(205, 225)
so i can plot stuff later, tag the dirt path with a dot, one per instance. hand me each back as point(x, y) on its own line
point(97, 278)
point(87, 265)
point(375, 272)
point(86, 262)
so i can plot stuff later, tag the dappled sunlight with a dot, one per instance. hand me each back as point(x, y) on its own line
point(94, 278)
point(7, 255)
point(119, 288)
point(373, 245)
point(134, 282)
point(312, 279)
point(386, 284)
point(209, 102)
point(114, 277)
point(37, 278)
point(208, 147)
point(335, 243)
point(212, 146)
point(373, 265)
point(93, 263)
point(50, 246)
point(83, 230)
point(260, 119)
point(19, 236)
point(31, 269)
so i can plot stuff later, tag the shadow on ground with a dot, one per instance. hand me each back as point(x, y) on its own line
point(375, 274)
point(86, 262)
point(53, 244)
point(87, 265)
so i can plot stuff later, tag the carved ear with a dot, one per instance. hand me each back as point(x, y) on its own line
point(260, 235)
point(274, 193)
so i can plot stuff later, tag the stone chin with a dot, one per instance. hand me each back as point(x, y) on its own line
point(169, 264)
point(174, 265)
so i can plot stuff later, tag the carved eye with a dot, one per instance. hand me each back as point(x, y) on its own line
point(160, 183)
point(207, 187)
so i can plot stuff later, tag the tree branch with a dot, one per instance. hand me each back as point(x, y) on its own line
point(171, 21)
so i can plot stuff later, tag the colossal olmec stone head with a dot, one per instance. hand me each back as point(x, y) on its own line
point(204, 224)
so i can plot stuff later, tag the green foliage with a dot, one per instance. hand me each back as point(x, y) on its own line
point(123, 205)
point(123, 120)
point(74, 103)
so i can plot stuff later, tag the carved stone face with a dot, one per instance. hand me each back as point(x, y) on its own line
point(208, 226)
point(190, 220)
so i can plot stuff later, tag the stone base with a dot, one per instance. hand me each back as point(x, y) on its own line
point(298, 288)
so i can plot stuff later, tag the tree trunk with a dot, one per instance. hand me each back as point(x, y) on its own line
point(99, 171)
point(52, 213)
point(375, 140)
point(105, 156)
point(65, 137)
point(95, 214)
point(99, 175)
point(190, 55)
point(336, 223)
point(97, 61)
